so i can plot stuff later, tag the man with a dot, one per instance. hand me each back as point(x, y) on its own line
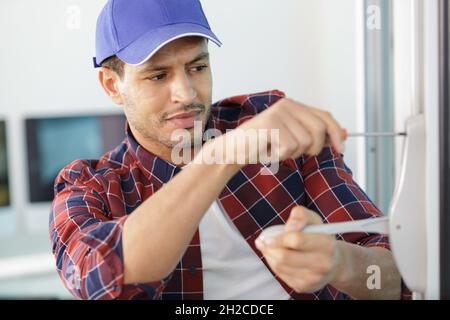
point(135, 224)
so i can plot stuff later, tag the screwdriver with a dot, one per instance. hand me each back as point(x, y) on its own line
point(376, 134)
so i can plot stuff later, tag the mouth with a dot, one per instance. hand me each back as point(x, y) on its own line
point(185, 120)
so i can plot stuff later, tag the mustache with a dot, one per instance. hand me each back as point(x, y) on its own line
point(193, 106)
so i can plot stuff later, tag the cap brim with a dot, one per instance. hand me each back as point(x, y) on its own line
point(147, 45)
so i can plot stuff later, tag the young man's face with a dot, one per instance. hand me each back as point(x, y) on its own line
point(170, 91)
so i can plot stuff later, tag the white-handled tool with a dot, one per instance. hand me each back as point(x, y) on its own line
point(373, 225)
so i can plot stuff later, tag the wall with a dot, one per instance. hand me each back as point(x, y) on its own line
point(311, 49)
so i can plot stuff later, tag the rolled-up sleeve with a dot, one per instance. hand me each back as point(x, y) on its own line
point(332, 192)
point(87, 242)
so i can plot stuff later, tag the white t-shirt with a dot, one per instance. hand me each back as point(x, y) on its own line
point(231, 269)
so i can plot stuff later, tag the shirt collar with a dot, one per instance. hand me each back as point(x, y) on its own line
point(150, 164)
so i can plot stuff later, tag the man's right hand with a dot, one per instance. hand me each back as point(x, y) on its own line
point(302, 130)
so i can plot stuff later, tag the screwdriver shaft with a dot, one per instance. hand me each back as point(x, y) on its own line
point(376, 134)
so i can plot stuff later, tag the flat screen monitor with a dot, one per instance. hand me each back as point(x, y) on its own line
point(4, 181)
point(53, 143)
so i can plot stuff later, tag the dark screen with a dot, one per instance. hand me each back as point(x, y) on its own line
point(53, 143)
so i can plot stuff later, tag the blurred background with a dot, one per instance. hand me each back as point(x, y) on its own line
point(359, 59)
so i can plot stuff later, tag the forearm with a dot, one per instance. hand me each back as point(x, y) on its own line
point(156, 235)
point(353, 277)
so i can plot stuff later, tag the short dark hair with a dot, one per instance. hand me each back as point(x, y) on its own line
point(115, 64)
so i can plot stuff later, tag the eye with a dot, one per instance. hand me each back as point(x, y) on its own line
point(199, 68)
point(158, 77)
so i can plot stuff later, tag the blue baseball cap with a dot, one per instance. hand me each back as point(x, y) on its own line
point(134, 30)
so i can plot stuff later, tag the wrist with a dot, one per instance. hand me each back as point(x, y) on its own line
point(343, 267)
point(210, 155)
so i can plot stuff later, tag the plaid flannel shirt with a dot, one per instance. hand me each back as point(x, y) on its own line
point(94, 197)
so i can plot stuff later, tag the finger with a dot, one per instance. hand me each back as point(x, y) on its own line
point(276, 261)
point(314, 125)
point(308, 275)
point(345, 134)
point(299, 241)
point(300, 217)
point(292, 143)
point(304, 242)
point(306, 282)
point(303, 138)
point(298, 282)
point(297, 260)
point(302, 280)
point(335, 131)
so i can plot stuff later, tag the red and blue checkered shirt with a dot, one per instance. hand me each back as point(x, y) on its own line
point(93, 198)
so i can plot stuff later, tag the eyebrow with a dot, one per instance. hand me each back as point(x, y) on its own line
point(154, 67)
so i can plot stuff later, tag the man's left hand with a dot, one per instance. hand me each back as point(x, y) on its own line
point(305, 261)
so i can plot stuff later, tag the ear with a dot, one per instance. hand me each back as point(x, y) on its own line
point(110, 82)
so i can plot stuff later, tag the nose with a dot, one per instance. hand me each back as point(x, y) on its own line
point(183, 91)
